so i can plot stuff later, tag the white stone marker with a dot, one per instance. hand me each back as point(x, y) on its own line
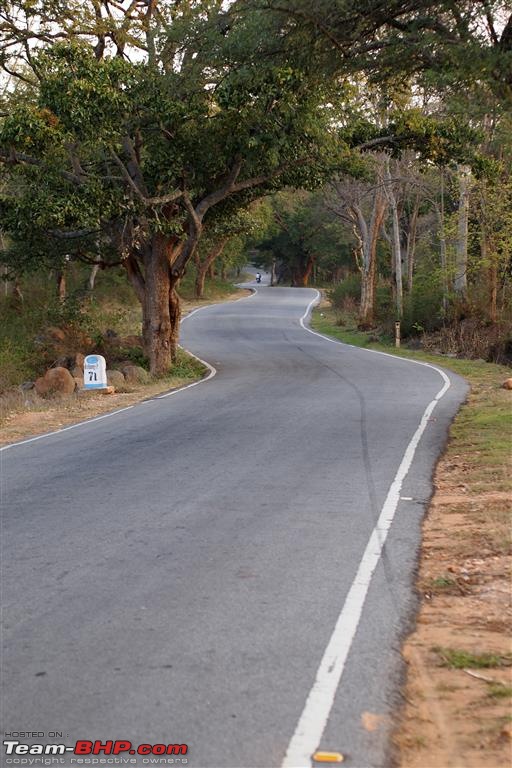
point(95, 372)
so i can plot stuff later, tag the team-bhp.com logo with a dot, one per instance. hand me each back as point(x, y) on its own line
point(88, 752)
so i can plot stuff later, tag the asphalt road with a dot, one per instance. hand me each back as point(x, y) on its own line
point(185, 570)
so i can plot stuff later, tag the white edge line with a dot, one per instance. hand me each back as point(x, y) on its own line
point(311, 725)
point(65, 429)
point(129, 407)
point(213, 371)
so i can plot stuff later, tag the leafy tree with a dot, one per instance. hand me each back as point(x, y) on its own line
point(302, 238)
point(141, 159)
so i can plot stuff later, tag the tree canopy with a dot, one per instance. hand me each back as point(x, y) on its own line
point(132, 129)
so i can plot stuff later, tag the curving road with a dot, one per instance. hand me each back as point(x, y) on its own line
point(229, 567)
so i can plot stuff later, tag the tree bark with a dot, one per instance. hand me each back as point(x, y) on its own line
point(442, 248)
point(368, 238)
point(304, 274)
point(160, 309)
point(461, 263)
point(411, 243)
point(175, 318)
point(61, 285)
point(202, 268)
point(367, 305)
point(92, 277)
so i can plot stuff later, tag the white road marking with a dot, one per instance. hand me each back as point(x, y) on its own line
point(308, 733)
point(65, 429)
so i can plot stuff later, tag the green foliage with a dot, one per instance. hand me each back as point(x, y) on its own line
point(185, 366)
point(458, 659)
point(423, 306)
point(348, 288)
point(289, 93)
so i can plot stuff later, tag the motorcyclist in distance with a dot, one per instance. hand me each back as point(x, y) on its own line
point(258, 277)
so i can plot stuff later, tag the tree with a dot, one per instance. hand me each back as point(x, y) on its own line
point(142, 158)
point(362, 205)
point(301, 238)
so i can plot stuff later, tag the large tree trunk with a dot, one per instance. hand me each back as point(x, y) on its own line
point(157, 321)
point(273, 277)
point(411, 243)
point(200, 280)
point(368, 237)
point(175, 318)
point(203, 267)
point(366, 307)
point(442, 248)
point(61, 285)
point(304, 274)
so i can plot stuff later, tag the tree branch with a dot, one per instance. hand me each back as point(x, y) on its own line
point(19, 158)
point(148, 201)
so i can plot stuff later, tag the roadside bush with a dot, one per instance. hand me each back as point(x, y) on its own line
point(474, 340)
point(348, 288)
point(423, 307)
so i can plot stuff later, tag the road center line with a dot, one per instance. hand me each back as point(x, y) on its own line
point(311, 725)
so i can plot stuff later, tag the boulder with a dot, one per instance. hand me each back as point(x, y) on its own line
point(79, 360)
point(115, 379)
point(507, 384)
point(56, 381)
point(94, 392)
point(134, 374)
point(56, 333)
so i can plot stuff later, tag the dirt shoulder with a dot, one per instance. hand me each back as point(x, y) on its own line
point(23, 415)
point(459, 678)
point(458, 692)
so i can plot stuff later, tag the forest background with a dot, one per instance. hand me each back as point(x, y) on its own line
point(361, 147)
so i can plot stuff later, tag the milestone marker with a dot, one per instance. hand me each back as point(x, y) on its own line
point(95, 372)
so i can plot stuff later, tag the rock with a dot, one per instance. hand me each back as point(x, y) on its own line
point(116, 378)
point(91, 392)
point(134, 374)
point(56, 381)
point(26, 386)
point(78, 373)
point(79, 381)
point(56, 333)
point(507, 384)
point(79, 360)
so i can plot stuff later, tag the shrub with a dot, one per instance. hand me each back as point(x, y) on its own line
point(348, 288)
